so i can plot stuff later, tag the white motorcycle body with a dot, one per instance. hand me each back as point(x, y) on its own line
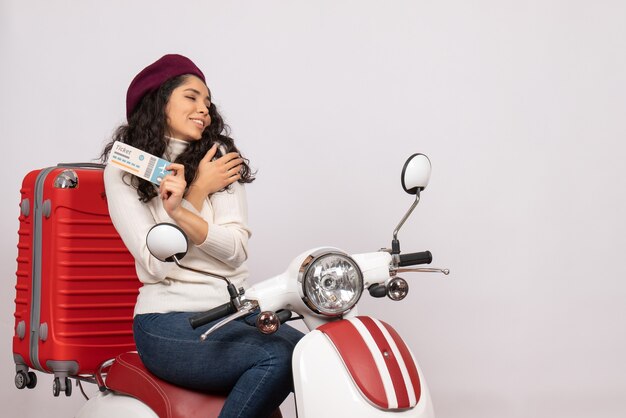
point(324, 386)
point(109, 404)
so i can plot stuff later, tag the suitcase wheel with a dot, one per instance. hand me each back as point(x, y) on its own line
point(25, 380)
point(32, 380)
point(21, 379)
point(57, 386)
point(68, 387)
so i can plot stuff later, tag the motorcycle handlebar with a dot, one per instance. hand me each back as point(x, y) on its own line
point(412, 259)
point(212, 314)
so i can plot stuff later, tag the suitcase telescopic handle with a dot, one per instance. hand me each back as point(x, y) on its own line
point(82, 165)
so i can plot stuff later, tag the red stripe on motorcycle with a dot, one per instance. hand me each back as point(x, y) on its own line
point(408, 360)
point(390, 361)
point(358, 359)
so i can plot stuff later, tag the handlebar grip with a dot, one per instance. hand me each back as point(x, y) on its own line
point(377, 290)
point(284, 315)
point(212, 314)
point(412, 259)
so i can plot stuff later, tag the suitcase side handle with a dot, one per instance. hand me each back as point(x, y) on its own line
point(83, 165)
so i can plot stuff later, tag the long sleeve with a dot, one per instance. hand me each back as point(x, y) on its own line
point(227, 239)
point(132, 220)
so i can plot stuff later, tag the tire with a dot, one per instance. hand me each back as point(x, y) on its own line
point(56, 387)
point(32, 380)
point(68, 387)
point(21, 380)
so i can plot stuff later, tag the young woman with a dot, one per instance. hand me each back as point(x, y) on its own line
point(170, 114)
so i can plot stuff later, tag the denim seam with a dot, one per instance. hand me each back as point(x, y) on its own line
point(245, 405)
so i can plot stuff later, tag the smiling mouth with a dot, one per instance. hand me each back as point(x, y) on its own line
point(198, 122)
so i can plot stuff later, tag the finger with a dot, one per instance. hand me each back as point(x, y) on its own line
point(164, 185)
point(176, 169)
point(227, 157)
point(172, 183)
point(165, 194)
point(170, 192)
point(233, 171)
point(233, 163)
point(177, 166)
point(210, 153)
point(164, 189)
point(231, 180)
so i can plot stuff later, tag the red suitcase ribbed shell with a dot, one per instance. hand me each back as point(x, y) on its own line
point(76, 282)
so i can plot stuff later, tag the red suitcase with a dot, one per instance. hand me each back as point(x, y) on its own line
point(76, 281)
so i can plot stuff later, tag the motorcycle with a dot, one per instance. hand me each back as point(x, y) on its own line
point(347, 365)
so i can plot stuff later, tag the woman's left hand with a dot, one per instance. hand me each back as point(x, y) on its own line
point(172, 189)
point(215, 175)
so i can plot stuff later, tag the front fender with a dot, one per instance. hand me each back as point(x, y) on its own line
point(355, 375)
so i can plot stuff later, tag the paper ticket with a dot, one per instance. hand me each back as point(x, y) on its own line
point(138, 162)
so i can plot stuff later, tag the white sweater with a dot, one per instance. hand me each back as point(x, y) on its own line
point(166, 287)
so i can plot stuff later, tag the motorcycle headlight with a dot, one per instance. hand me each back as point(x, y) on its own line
point(332, 282)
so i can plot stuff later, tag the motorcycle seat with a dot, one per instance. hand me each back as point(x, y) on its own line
point(128, 375)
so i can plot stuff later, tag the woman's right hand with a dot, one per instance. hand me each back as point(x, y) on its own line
point(213, 176)
point(172, 189)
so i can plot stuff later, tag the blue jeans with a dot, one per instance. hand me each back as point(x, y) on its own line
point(253, 368)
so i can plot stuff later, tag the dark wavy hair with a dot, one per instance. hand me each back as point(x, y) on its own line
point(146, 129)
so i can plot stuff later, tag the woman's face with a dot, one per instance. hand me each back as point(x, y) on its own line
point(187, 110)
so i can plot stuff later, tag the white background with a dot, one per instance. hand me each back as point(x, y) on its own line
point(519, 105)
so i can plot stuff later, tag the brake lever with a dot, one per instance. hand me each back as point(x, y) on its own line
point(423, 270)
point(247, 307)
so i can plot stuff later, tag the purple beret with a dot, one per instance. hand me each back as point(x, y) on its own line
point(155, 74)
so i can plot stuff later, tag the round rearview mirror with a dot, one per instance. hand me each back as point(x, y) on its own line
point(415, 173)
point(166, 241)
